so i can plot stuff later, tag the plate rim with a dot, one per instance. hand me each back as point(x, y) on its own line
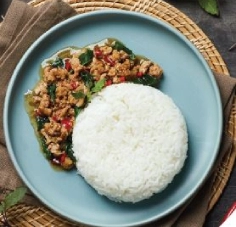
point(92, 14)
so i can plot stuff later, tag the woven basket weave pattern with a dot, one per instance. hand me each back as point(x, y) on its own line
point(23, 215)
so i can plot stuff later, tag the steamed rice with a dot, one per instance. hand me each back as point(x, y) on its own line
point(130, 142)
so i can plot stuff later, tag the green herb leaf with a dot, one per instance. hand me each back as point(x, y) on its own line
point(68, 148)
point(78, 95)
point(86, 57)
point(57, 63)
point(146, 80)
point(14, 197)
point(45, 150)
point(52, 91)
point(41, 121)
point(119, 46)
point(2, 207)
point(210, 6)
point(98, 86)
point(77, 110)
point(87, 79)
point(89, 96)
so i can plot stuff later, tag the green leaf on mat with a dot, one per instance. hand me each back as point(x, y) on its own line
point(210, 6)
point(14, 197)
point(2, 207)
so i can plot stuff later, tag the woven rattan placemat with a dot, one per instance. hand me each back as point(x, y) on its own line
point(24, 215)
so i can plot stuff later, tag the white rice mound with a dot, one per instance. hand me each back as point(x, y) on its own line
point(130, 142)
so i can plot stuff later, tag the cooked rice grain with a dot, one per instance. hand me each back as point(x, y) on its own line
point(130, 142)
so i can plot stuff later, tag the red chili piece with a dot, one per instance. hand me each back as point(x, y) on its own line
point(73, 84)
point(122, 79)
point(108, 60)
point(62, 157)
point(37, 112)
point(108, 82)
point(97, 52)
point(55, 118)
point(139, 74)
point(67, 65)
point(67, 123)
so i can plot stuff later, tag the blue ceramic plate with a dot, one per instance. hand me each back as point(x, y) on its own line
point(187, 79)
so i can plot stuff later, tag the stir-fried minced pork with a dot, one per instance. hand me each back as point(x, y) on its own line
point(69, 79)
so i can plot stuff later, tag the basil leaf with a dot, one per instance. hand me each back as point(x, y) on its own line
point(68, 148)
point(98, 86)
point(78, 95)
point(89, 96)
point(14, 197)
point(40, 120)
point(57, 63)
point(45, 149)
point(77, 110)
point(210, 6)
point(87, 79)
point(86, 58)
point(52, 91)
point(119, 46)
point(2, 207)
point(146, 80)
